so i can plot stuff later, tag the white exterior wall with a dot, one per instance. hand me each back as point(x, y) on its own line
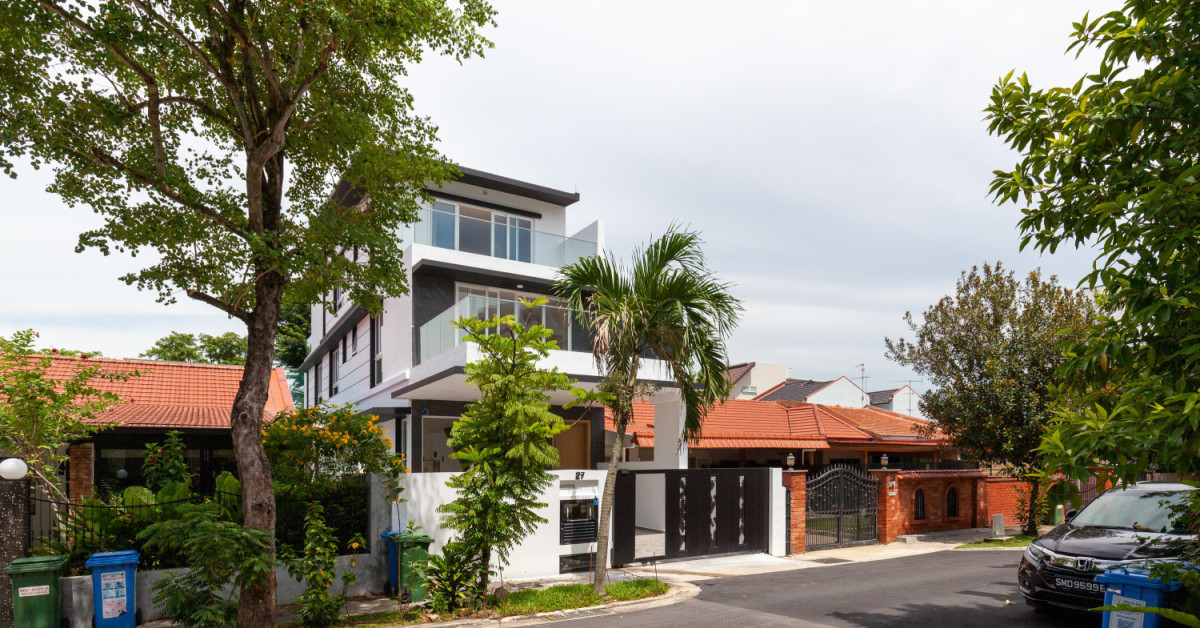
point(777, 535)
point(761, 378)
point(537, 556)
point(905, 401)
point(651, 501)
point(841, 392)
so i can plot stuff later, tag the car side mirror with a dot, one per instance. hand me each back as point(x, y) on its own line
point(1070, 514)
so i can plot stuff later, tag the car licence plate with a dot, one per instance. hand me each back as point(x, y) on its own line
point(1082, 586)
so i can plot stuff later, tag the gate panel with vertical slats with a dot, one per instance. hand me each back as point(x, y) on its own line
point(842, 509)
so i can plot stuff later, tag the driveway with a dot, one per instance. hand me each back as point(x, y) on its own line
point(949, 588)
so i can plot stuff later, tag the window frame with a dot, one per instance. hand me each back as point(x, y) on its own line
point(919, 505)
point(951, 503)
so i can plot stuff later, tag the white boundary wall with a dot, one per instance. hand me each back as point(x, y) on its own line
point(538, 555)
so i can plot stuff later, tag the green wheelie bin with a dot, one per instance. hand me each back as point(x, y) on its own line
point(413, 554)
point(35, 591)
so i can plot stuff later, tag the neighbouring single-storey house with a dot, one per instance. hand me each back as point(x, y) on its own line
point(195, 399)
point(749, 433)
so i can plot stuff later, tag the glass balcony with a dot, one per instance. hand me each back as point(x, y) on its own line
point(440, 335)
point(493, 234)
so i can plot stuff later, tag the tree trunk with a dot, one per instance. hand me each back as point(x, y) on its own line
point(1031, 521)
point(256, 607)
point(606, 503)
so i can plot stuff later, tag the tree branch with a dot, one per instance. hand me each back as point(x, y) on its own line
point(202, 106)
point(239, 106)
point(160, 154)
point(104, 158)
point(220, 305)
point(263, 60)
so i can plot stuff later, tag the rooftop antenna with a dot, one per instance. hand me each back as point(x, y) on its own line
point(909, 383)
point(862, 381)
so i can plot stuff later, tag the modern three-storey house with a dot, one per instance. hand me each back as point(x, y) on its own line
point(482, 246)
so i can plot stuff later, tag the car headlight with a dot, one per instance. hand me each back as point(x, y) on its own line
point(1035, 551)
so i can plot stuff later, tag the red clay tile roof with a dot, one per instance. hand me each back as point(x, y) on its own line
point(174, 394)
point(642, 423)
point(880, 423)
point(748, 424)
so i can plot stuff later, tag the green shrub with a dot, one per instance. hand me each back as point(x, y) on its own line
point(317, 568)
point(165, 463)
point(452, 578)
point(219, 553)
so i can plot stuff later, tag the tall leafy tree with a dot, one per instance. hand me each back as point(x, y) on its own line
point(211, 135)
point(227, 348)
point(175, 347)
point(1111, 162)
point(666, 303)
point(991, 350)
point(39, 414)
point(503, 440)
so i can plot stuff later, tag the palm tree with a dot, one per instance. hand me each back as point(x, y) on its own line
point(668, 305)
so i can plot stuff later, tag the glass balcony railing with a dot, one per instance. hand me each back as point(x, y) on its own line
point(440, 335)
point(503, 236)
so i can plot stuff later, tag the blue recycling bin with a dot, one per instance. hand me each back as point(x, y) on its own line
point(393, 584)
point(1135, 587)
point(114, 588)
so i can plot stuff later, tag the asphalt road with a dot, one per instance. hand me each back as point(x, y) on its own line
point(951, 588)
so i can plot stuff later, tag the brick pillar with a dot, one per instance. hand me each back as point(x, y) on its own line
point(14, 533)
point(982, 516)
point(889, 516)
point(81, 478)
point(796, 481)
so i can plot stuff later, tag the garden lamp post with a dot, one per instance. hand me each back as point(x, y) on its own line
point(13, 469)
point(791, 460)
point(883, 460)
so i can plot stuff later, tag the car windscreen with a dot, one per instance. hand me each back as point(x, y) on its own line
point(1146, 511)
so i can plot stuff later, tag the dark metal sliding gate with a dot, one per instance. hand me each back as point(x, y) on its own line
point(708, 511)
point(842, 509)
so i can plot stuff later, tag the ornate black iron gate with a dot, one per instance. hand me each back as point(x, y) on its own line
point(842, 506)
point(708, 511)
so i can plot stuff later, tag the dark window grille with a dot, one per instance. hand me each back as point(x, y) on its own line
point(952, 502)
point(919, 505)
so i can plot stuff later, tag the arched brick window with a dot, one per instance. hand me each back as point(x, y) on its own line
point(919, 505)
point(952, 502)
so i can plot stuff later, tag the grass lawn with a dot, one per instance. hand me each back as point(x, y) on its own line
point(567, 596)
point(1017, 541)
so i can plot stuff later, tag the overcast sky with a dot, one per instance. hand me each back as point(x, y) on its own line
point(834, 155)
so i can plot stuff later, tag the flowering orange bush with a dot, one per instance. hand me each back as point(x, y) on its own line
point(316, 445)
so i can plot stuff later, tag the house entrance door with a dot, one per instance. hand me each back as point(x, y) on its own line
point(704, 511)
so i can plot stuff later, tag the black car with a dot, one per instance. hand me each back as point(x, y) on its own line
point(1122, 527)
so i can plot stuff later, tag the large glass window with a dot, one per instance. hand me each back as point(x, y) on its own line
point(474, 230)
point(376, 349)
point(443, 220)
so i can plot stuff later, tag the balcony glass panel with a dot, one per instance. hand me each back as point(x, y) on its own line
point(482, 232)
point(440, 335)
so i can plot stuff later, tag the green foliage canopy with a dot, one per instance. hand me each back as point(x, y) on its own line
point(227, 348)
point(1111, 162)
point(990, 351)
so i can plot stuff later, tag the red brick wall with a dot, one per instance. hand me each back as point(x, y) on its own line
point(1003, 498)
point(889, 516)
point(797, 480)
point(80, 482)
point(897, 501)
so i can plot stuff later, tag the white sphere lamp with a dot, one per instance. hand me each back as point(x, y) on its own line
point(13, 469)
